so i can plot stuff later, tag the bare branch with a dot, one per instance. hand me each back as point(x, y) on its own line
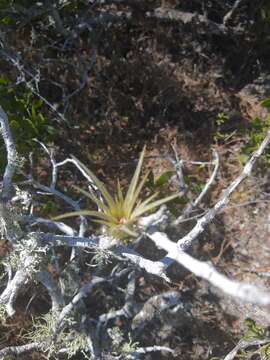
point(11, 156)
point(153, 307)
point(167, 14)
point(186, 241)
point(84, 291)
point(209, 183)
point(19, 350)
point(141, 351)
point(34, 78)
point(179, 169)
point(56, 225)
point(57, 299)
point(243, 344)
point(230, 13)
point(242, 291)
point(9, 295)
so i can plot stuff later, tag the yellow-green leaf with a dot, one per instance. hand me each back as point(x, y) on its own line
point(156, 204)
point(134, 181)
point(97, 182)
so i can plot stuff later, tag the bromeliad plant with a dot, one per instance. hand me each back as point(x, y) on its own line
point(119, 213)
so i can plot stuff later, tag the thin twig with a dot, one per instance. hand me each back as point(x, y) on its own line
point(201, 224)
point(209, 183)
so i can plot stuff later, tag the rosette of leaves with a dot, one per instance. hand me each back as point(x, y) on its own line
point(119, 213)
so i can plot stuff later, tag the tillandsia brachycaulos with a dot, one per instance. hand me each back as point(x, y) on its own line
point(119, 213)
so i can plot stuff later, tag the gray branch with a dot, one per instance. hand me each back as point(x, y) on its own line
point(187, 240)
point(14, 286)
point(200, 21)
point(243, 344)
point(57, 299)
point(11, 156)
point(19, 350)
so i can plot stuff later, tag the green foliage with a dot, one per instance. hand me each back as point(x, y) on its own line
point(265, 13)
point(129, 346)
point(159, 182)
point(219, 134)
point(26, 248)
point(43, 328)
point(119, 213)
point(25, 116)
point(254, 331)
point(77, 342)
point(257, 132)
point(43, 331)
point(119, 345)
point(266, 103)
point(49, 208)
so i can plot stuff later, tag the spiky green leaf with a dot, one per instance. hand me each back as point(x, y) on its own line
point(130, 205)
point(92, 197)
point(97, 214)
point(154, 204)
point(102, 188)
point(134, 181)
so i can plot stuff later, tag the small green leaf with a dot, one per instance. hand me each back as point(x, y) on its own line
point(266, 103)
point(31, 127)
point(243, 158)
point(50, 130)
point(151, 181)
point(164, 178)
point(4, 80)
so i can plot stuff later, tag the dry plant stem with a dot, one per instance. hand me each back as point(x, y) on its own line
point(56, 17)
point(185, 242)
point(74, 162)
point(11, 291)
point(84, 291)
point(23, 73)
point(144, 350)
point(242, 291)
point(153, 308)
point(178, 164)
point(11, 156)
point(153, 267)
point(128, 311)
point(53, 290)
point(65, 240)
point(84, 79)
point(19, 350)
point(204, 191)
point(52, 188)
point(156, 218)
point(65, 198)
point(65, 229)
point(21, 277)
point(243, 344)
point(200, 21)
point(230, 14)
